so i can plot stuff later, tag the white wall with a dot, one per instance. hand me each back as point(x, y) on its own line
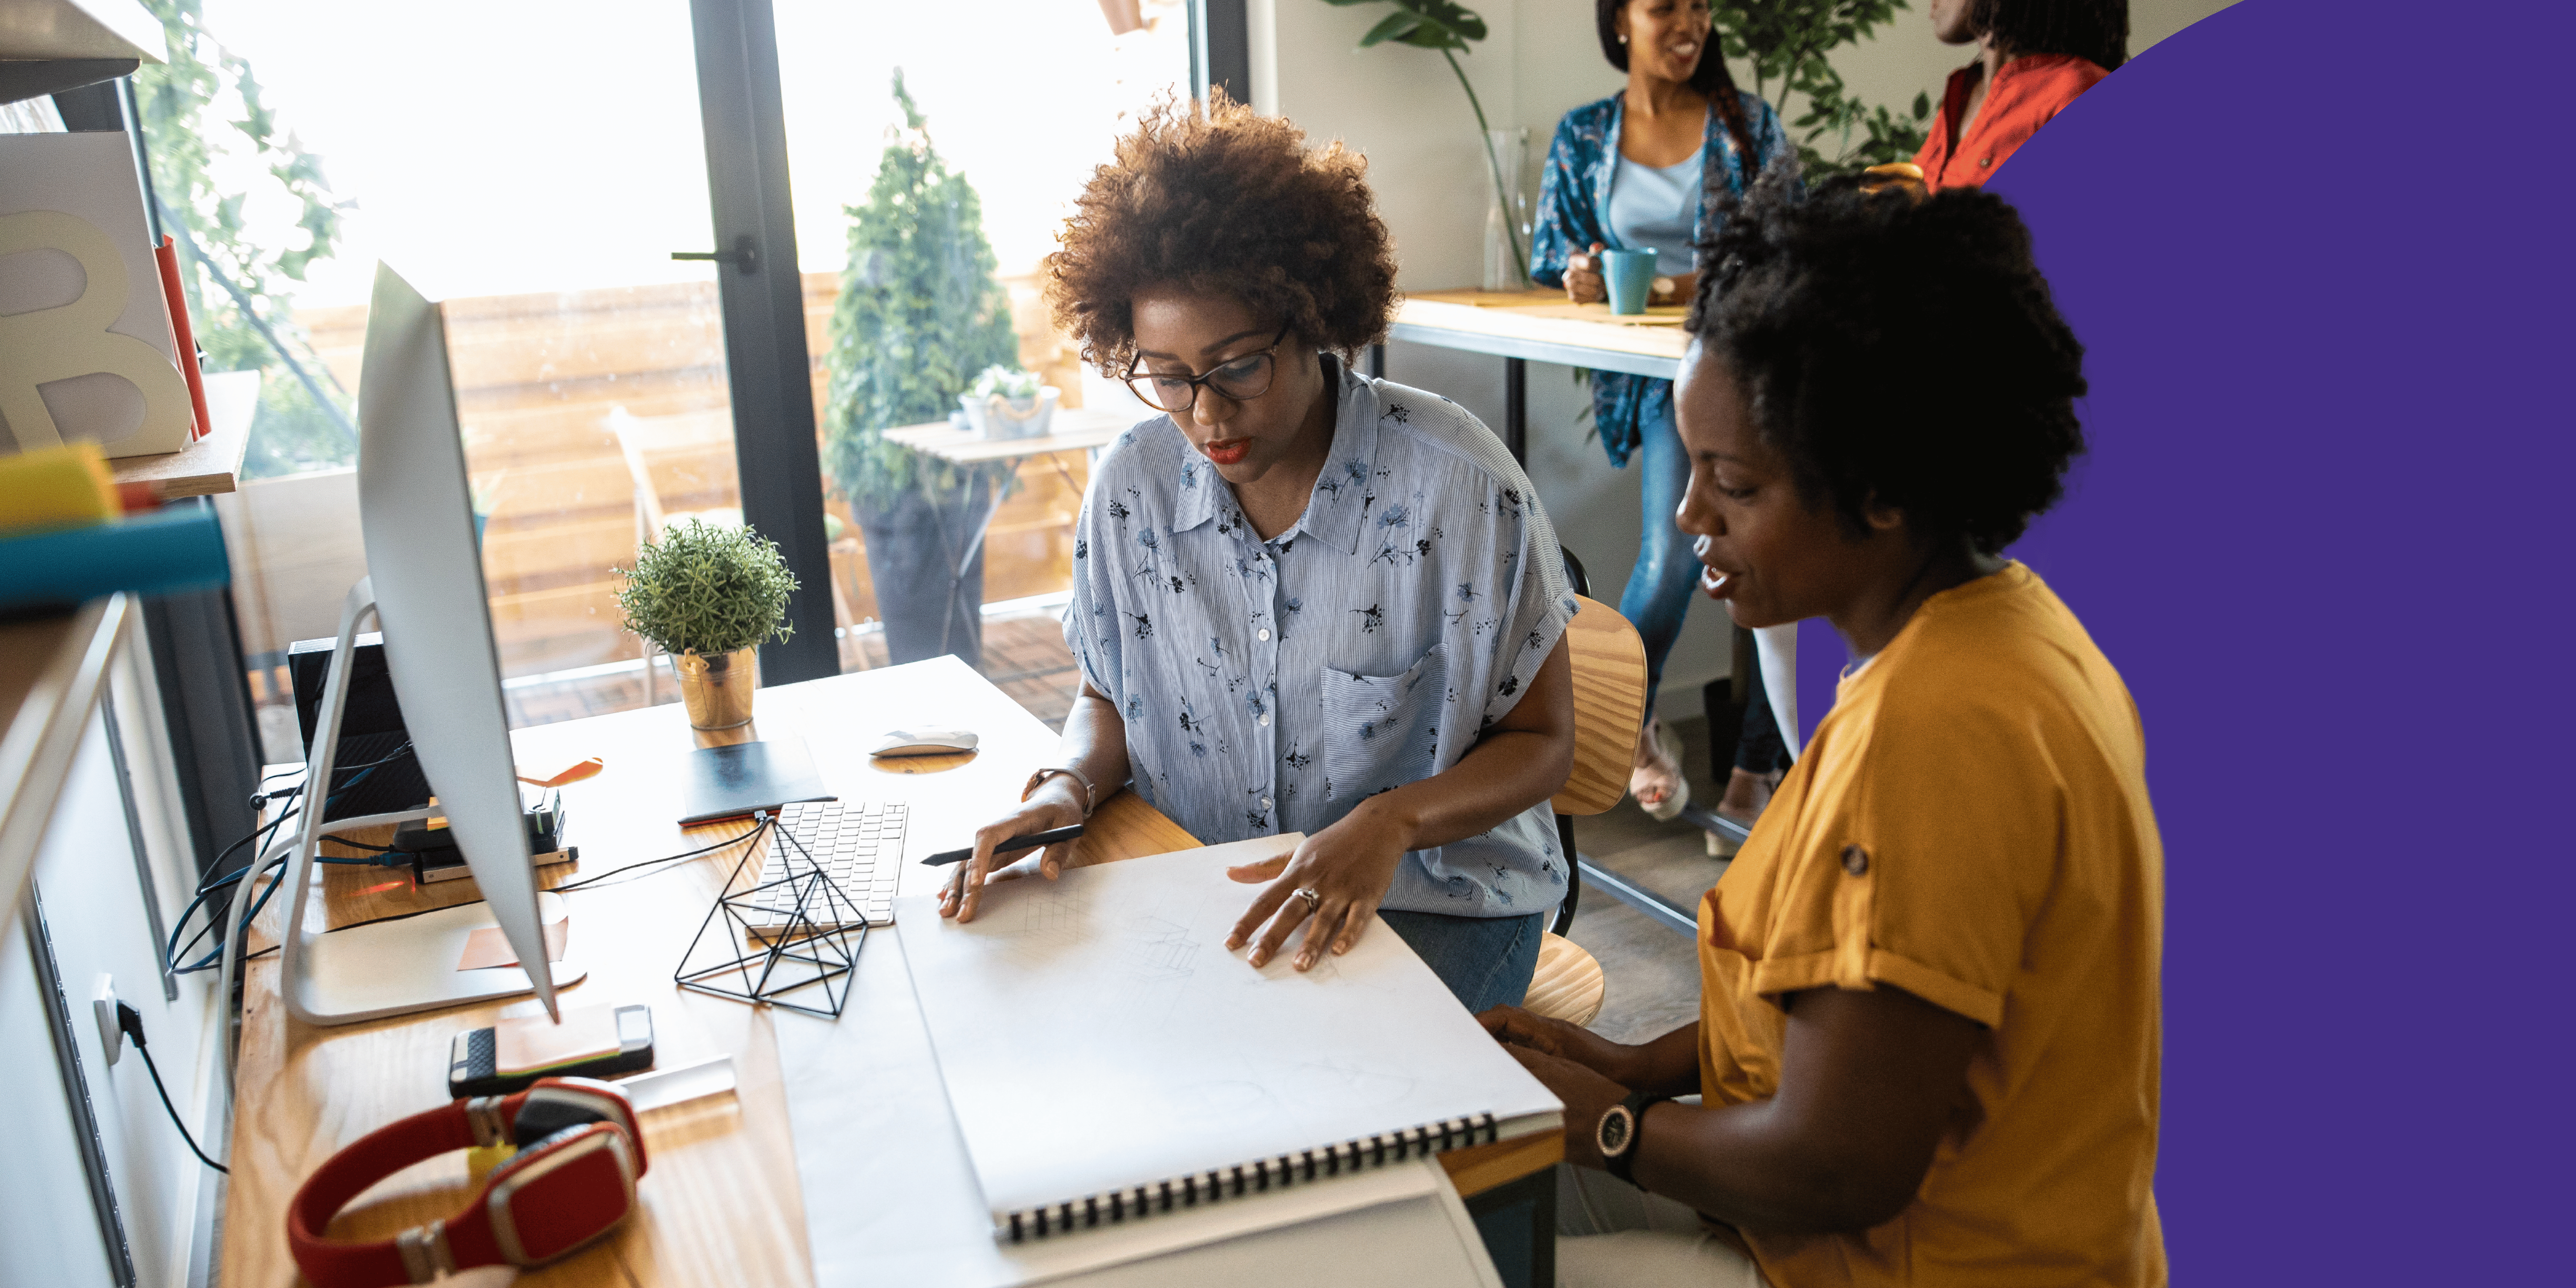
point(94, 903)
point(1402, 108)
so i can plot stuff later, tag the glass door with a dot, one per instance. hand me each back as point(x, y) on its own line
point(936, 150)
point(531, 166)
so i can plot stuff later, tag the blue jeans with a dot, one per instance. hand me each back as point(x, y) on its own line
point(1485, 961)
point(1667, 572)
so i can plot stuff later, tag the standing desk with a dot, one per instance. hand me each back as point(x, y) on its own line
point(880, 1180)
point(1522, 327)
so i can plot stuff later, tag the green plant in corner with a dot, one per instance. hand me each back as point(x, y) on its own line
point(708, 590)
point(1453, 29)
point(1788, 43)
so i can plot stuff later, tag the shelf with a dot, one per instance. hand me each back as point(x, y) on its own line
point(211, 464)
point(67, 29)
point(24, 80)
point(49, 46)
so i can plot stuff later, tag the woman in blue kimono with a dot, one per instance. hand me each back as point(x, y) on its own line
point(1645, 169)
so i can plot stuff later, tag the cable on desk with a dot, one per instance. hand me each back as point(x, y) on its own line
point(753, 835)
point(567, 888)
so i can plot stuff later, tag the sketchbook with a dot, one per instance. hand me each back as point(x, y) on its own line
point(1109, 1061)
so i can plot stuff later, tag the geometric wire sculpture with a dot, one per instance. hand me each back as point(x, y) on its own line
point(814, 948)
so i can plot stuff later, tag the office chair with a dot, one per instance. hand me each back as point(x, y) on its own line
point(1609, 704)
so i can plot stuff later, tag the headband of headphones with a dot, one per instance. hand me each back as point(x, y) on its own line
point(572, 1180)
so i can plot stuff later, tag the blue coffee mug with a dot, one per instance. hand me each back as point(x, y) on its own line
point(1630, 275)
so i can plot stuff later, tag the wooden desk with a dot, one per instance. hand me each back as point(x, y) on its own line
point(881, 1179)
point(1522, 327)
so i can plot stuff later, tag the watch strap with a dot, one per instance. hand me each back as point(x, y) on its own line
point(1624, 1162)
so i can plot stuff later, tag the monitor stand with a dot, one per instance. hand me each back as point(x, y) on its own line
point(395, 967)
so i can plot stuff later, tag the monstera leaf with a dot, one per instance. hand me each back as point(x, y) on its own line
point(1423, 24)
point(1452, 29)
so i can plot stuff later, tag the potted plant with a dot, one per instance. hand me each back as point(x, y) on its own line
point(708, 596)
point(1009, 403)
point(919, 314)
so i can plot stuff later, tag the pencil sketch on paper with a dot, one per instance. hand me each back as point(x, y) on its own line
point(1333, 1084)
point(1159, 950)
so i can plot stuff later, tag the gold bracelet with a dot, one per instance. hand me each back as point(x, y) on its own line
point(1090, 798)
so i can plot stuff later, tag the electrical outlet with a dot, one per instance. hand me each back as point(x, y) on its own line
point(110, 1038)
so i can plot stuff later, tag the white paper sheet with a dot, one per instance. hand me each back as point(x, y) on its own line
point(1094, 1034)
point(1413, 1233)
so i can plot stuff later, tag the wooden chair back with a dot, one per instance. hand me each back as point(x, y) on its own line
point(1609, 705)
point(648, 501)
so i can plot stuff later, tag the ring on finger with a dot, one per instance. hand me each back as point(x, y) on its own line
point(1313, 900)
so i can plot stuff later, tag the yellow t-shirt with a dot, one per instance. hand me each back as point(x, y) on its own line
point(1969, 824)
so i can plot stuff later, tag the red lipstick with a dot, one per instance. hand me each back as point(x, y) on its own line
point(1227, 451)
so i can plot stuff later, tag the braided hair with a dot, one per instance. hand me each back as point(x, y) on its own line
point(2094, 30)
point(1897, 349)
point(1710, 79)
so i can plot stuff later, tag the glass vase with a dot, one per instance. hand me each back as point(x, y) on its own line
point(1506, 211)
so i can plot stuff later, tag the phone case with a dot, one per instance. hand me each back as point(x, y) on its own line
point(471, 1065)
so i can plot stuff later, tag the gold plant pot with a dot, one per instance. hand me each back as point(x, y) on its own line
point(717, 687)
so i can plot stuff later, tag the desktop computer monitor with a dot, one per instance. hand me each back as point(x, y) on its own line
point(426, 569)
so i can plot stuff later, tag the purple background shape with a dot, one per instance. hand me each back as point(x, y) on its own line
point(2317, 254)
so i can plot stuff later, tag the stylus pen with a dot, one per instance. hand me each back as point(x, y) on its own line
point(1030, 842)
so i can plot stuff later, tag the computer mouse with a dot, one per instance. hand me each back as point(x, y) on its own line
point(925, 742)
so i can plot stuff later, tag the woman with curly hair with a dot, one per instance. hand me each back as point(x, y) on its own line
point(1304, 600)
point(2033, 58)
point(1645, 169)
point(1928, 1036)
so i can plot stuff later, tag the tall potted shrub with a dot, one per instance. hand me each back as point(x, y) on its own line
point(919, 315)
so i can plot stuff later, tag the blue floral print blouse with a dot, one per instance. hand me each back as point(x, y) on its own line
point(1269, 686)
point(1574, 212)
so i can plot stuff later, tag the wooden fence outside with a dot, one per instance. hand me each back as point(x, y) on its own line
point(546, 385)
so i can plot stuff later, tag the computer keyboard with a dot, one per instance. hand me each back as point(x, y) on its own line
point(859, 845)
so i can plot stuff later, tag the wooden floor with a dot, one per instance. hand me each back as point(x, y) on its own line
point(1651, 971)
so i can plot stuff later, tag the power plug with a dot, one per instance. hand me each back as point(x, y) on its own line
point(111, 1034)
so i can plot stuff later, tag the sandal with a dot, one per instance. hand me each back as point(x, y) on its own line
point(1661, 774)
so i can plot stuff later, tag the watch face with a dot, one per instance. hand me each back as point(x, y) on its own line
point(1618, 1127)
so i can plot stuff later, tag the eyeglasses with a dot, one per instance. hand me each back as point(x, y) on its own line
point(1241, 380)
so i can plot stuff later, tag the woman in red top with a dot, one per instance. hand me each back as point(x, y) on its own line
point(2033, 58)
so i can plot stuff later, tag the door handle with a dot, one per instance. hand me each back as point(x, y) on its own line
point(745, 255)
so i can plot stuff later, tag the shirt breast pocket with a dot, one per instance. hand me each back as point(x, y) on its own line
point(1382, 731)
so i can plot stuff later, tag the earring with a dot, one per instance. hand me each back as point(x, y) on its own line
point(1623, 40)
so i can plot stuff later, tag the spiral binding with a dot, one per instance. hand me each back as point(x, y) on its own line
point(1259, 1176)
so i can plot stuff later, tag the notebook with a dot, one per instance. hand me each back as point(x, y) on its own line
point(733, 781)
point(1108, 1061)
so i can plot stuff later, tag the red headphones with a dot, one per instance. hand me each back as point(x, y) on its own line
point(572, 1181)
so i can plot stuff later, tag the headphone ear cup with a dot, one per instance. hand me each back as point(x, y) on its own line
point(555, 1105)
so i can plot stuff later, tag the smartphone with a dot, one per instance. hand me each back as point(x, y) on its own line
point(620, 1042)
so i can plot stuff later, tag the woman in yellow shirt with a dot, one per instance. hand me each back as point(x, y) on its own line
point(1928, 1036)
